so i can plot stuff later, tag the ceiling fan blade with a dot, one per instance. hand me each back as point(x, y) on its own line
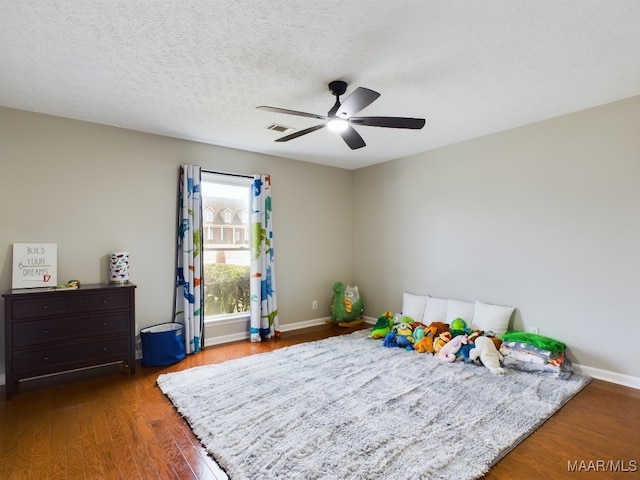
point(389, 122)
point(352, 138)
point(292, 112)
point(359, 99)
point(301, 132)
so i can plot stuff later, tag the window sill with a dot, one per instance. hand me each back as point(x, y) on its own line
point(230, 319)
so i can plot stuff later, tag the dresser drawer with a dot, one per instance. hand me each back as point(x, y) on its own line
point(53, 304)
point(112, 300)
point(91, 352)
point(44, 331)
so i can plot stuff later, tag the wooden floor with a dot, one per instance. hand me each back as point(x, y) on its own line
point(115, 426)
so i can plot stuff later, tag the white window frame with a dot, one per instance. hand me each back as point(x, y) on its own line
point(234, 181)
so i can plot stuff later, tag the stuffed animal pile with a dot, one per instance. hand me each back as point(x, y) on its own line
point(447, 342)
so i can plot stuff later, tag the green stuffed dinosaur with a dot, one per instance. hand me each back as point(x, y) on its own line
point(346, 308)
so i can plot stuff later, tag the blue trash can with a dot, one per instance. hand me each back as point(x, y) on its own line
point(162, 344)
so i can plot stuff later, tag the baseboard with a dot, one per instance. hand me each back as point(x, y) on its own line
point(314, 322)
point(607, 376)
point(234, 337)
point(220, 339)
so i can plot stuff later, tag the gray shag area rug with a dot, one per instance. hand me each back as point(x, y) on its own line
point(349, 408)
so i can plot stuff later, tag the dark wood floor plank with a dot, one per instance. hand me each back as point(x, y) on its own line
point(93, 466)
point(123, 427)
point(202, 464)
point(20, 427)
point(121, 422)
point(41, 452)
point(57, 445)
point(162, 459)
point(72, 435)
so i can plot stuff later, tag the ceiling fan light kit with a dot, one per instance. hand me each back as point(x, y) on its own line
point(337, 124)
point(341, 116)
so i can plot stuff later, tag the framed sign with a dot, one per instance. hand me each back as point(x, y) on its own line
point(35, 265)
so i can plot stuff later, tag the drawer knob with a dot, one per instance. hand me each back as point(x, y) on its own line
point(44, 307)
point(104, 349)
point(104, 324)
point(45, 331)
point(104, 301)
point(46, 358)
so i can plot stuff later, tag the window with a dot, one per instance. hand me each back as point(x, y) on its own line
point(227, 249)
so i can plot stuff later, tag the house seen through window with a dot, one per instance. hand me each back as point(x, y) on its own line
point(225, 204)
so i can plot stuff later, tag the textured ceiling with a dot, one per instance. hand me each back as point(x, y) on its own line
point(197, 69)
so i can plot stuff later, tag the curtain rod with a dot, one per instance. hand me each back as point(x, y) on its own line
point(228, 174)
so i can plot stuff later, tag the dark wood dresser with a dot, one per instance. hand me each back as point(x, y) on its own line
point(55, 331)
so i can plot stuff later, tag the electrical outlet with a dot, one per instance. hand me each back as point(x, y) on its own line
point(533, 330)
point(314, 305)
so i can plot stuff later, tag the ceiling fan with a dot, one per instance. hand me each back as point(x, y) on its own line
point(341, 116)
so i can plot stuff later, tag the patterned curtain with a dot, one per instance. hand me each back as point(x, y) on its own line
point(264, 309)
point(189, 307)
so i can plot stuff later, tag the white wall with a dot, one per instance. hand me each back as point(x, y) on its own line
point(95, 189)
point(544, 218)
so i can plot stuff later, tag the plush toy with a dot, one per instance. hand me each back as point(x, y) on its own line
point(70, 285)
point(486, 351)
point(459, 327)
point(459, 324)
point(436, 328)
point(441, 341)
point(465, 349)
point(401, 335)
point(382, 326)
point(497, 342)
point(448, 352)
point(418, 332)
point(390, 339)
point(425, 343)
point(464, 352)
point(346, 308)
point(404, 333)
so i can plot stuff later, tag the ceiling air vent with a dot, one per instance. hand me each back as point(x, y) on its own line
point(279, 128)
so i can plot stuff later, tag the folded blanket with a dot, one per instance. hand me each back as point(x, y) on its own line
point(545, 343)
point(562, 370)
point(527, 357)
point(528, 353)
point(525, 353)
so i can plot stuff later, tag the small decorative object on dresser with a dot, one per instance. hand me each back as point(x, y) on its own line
point(48, 332)
point(119, 267)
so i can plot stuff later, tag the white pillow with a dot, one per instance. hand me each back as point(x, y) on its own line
point(491, 318)
point(459, 309)
point(435, 311)
point(413, 305)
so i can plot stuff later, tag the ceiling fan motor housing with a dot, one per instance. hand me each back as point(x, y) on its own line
point(338, 87)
